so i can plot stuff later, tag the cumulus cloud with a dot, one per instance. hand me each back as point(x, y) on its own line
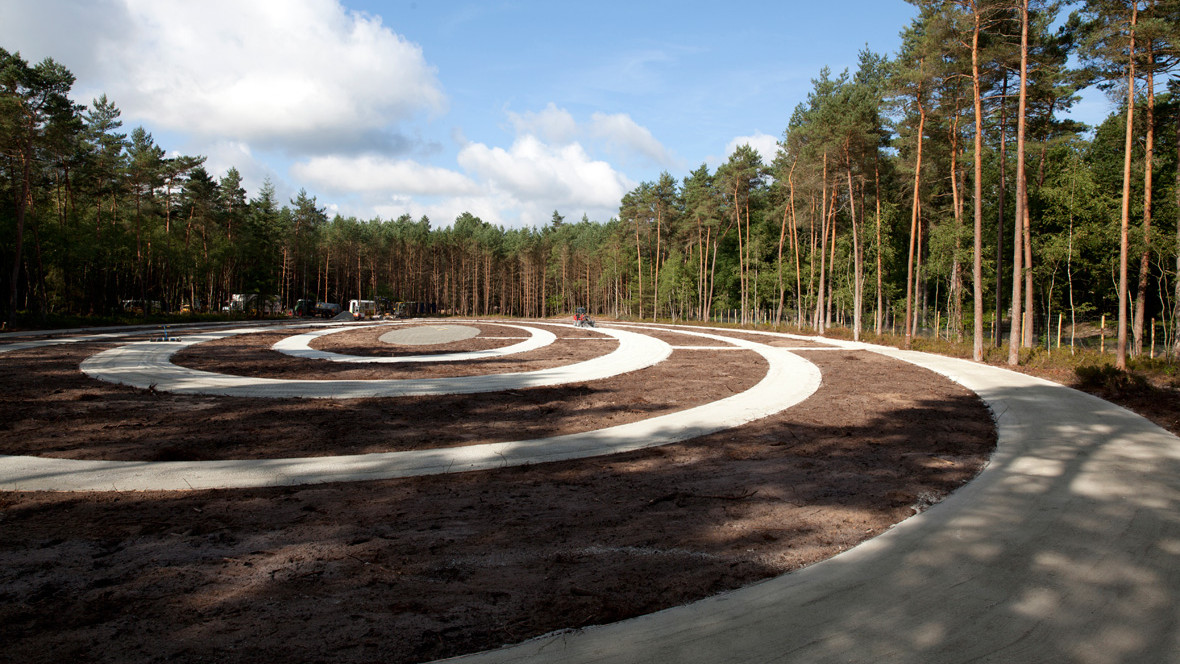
point(625, 135)
point(276, 73)
point(553, 124)
point(373, 173)
point(531, 169)
point(520, 185)
point(544, 168)
point(765, 144)
point(78, 28)
point(617, 133)
point(310, 94)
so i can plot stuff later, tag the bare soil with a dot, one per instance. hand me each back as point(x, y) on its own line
point(251, 355)
point(55, 410)
point(418, 569)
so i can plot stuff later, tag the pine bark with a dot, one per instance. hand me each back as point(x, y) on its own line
point(857, 268)
point(1145, 258)
point(977, 264)
point(1125, 216)
point(1015, 335)
point(909, 282)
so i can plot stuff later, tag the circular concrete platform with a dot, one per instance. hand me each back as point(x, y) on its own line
point(429, 335)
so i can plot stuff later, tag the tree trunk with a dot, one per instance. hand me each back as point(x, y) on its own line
point(796, 250)
point(1029, 304)
point(856, 270)
point(1176, 280)
point(655, 303)
point(26, 178)
point(999, 334)
point(700, 271)
point(1145, 259)
point(712, 276)
point(742, 277)
point(811, 263)
point(909, 282)
point(782, 290)
point(1125, 216)
point(877, 198)
point(1014, 335)
point(955, 291)
point(639, 262)
point(831, 255)
point(823, 252)
point(977, 263)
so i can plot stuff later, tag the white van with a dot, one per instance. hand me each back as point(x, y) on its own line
point(361, 309)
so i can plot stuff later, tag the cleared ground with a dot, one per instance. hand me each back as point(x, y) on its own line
point(415, 569)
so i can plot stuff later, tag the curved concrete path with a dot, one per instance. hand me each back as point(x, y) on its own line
point(300, 346)
point(148, 365)
point(58, 337)
point(1065, 549)
point(789, 379)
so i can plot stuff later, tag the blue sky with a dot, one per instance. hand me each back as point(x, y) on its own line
point(508, 110)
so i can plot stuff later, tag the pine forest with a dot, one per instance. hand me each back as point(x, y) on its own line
point(939, 190)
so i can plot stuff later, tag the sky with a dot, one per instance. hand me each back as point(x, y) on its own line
point(508, 110)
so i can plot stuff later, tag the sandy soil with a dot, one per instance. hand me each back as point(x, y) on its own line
point(413, 570)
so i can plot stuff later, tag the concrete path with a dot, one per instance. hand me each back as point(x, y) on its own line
point(428, 334)
point(1065, 549)
point(148, 365)
point(789, 379)
point(71, 336)
point(300, 345)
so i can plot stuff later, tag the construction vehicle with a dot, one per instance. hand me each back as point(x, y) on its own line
point(582, 319)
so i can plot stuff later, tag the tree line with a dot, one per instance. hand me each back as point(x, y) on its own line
point(940, 182)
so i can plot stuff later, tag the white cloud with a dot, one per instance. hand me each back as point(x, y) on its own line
point(283, 73)
point(617, 133)
point(514, 186)
point(521, 185)
point(68, 31)
point(314, 96)
point(553, 124)
point(375, 174)
point(223, 155)
point(532, 170)
point(620, 131)
point(765, 144)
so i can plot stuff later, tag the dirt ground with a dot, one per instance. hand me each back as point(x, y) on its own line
point(417, 569)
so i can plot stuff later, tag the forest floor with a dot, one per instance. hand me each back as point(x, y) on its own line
point(416, 569)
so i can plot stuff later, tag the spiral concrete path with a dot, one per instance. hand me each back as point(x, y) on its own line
point(148, 365)
point(788, 380)
point(1065, 549)
point(300, 346)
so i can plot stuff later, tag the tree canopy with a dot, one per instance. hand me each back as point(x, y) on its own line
point(894, 194)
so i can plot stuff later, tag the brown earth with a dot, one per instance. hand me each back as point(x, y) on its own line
point(55, 410)
point(251, 355)
point(417, 569)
